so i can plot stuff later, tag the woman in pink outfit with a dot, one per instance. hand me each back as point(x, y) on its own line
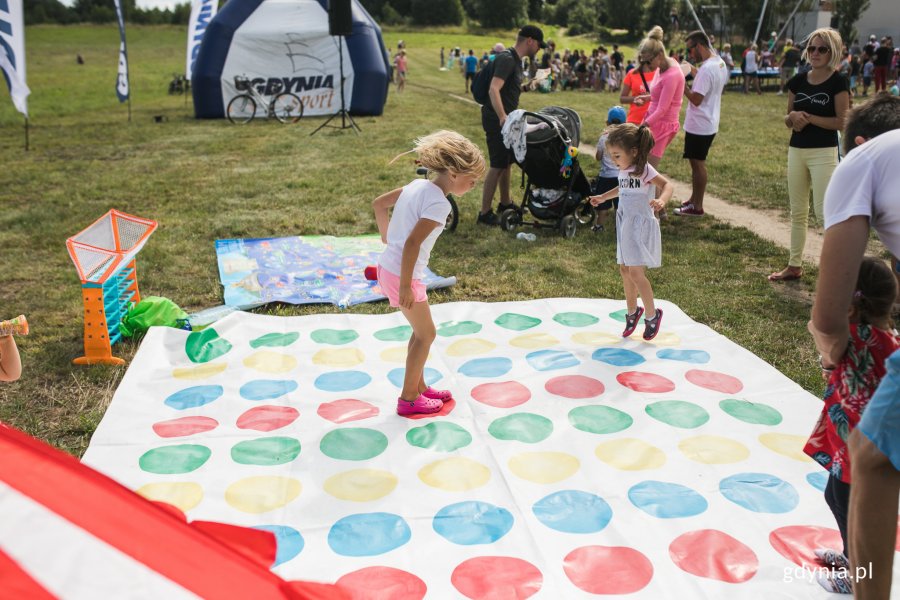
point(666, 93)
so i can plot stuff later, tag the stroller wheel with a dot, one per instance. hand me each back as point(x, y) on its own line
point(453, 216)
point(585, 213)
point(510, 219)
point(567, 226)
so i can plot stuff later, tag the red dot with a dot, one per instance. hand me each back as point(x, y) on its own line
point(496, 577)
point(717, 382)
point(267, 417)
point(341, 411)
point(608, 569)
point(797, 542)
point(645, 382)
point(574, 386)
point(504, 394)
point(184, 426)
point(715, 555)
point(382, 583)
point(448, 407)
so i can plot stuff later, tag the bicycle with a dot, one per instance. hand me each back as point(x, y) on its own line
point(284, 106)
point(453, 217)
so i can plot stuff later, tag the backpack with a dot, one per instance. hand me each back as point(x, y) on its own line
point(482, 83)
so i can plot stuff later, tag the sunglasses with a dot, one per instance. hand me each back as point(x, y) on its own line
point(819, 49)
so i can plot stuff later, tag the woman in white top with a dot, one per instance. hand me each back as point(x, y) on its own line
point(751, 69)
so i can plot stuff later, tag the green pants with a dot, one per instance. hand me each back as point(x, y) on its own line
point(807, 167)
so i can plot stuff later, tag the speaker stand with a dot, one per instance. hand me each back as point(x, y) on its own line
point(347, 121)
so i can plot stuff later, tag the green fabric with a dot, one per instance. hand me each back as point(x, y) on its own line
point(152, 310)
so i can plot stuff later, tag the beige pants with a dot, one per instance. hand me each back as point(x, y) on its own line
point(807, 167)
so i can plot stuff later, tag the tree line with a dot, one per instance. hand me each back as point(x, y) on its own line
point(102, 11)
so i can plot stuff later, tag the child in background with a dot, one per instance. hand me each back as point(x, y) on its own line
point(609, 172)
point(868, 71)
point(401, 70)
point(420, 212)
point(638, 238)
point(10, 363)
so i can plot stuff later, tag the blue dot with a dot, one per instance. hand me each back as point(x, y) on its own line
point(193, 397)
point(290, 542)
point(368, 534)
point(470, 523)
point(431, 376)
point(342, 381)
point(667, 500)
point(690, 356)
point(572, 511)
point(551, 360)
point(760, 492)
point(818, 480)
point(267, 389)
point(618, 357)
point(486, 367)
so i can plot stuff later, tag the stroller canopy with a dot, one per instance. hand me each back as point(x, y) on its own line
point(567, 121)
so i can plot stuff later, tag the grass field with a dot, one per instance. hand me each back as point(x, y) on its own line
point(204, 180)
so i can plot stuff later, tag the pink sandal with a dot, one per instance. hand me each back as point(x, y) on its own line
point(421, 405)
point(442, 395)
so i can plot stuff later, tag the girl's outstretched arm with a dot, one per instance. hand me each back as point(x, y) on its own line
point(380, 205)
point(667, 190)
point(595, 200)
point(408, 260)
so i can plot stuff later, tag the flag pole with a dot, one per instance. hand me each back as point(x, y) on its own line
point(26, 134)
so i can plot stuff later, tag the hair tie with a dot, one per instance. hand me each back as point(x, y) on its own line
point(857, 294)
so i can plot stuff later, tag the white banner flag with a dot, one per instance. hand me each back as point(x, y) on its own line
point(12, 52)
point(202, 12)
point(122, 90)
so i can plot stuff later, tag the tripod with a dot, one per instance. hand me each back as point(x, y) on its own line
point(343, 112)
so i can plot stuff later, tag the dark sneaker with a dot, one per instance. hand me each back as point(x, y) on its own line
point(597, 228)
point(651, 326)
point(631, 321)
point(489, 218)
point(689, 211)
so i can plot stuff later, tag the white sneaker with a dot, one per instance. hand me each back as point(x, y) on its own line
point(780, 93)
point(836, 583)
point(832, 558)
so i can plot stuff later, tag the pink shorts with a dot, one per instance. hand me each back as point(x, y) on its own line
point(663, 135)
point(390, 287)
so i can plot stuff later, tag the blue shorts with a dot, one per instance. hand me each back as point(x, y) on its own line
point(881, 420)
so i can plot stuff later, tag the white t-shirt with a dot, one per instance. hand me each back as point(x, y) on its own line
point(710, 81)
point(751, 62)
point(420, 199)
point(866, 183)
point(607, 167)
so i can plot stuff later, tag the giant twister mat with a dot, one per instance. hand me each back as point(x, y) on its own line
point(572, 462)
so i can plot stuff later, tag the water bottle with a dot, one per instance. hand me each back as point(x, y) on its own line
point(528, 237)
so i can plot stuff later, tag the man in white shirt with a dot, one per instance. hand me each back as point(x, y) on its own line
point(701, 121)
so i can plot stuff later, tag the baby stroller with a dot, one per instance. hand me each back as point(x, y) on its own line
point(556, 189)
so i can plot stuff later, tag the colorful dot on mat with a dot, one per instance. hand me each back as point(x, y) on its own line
point(717, 382)
point(645, 382)
point(266, 452)
point(401, 333)
point(335, 337)
point(205, 346)
point(289, 542)
point(267, 417)
point(395, 354)
point(261, 494)
point(347, 409)
point(533, 341)
point(267, 389)
point(713, 450)
point(575, 319)
point(504, 394)
point(714, 555)
point(678, 413)
point(368, 534)
point(619, 315)
point(618, 357)
point(274, 340)
point(697, 357)
point(630, 454)
point(595, 338)
point(446, 409)
point(361, 485)
point(599, 419)
point(451, 328)
point(382, 583)
point(470, 347)
point(574, 386)
point(760, 492)
point(200, 371)
point(171, 460)
point(521, 427)
point(573, 511)
point(544, 467)
point(551, 360)
point(396, 376)
point(440, 436)
point(667, 500)
point(486, 367)
point(193, 397)
point(338, 357)
point(786, 445)
point(342, 381)
point(184, 495)
point(818, 479)
point(470, 523)
point(608, 570)
point(353, 443)
point(516, 322)
point(496, 577)
point(797, 543)
point(751, 412)
point(456, 474)
point(270, 362)
point(184, 426)
point(665, 338)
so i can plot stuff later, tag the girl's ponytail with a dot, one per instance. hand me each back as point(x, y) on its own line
point(876, 291)
point(645, 143)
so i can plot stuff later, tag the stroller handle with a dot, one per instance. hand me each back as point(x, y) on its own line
point(552, 123)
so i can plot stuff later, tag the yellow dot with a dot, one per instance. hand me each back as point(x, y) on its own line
point(544, 467)
point(395, 354)
point(630, 454)
point(597, 338)
point(534, 341)
point(183, 495)
point(786, 445)
point(270, 362)
point(338, 357)
point(713, 450)
point(361, 485)
point(455, 474)
point(470, 346)
point(200, 371)
point(666, 338)
point(262, 494)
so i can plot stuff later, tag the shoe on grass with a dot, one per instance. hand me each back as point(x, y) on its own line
point(489, 218)
point(689, 211)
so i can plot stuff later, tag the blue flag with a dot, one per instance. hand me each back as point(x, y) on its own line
point(122, 90)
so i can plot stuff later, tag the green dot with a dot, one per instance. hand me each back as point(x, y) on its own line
point(599, 419)
point(170, 460)
point(750, 412)
point(440, 436)
point(335, 337)
point(353, 443)
point(575, 319)
point(619, 315)
point(521, 427)
point(401, 333)
point(275, 339)
point(517, 322)
point(678, 413)
point(266, 451)
point(204, 346)
point(451, 328)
